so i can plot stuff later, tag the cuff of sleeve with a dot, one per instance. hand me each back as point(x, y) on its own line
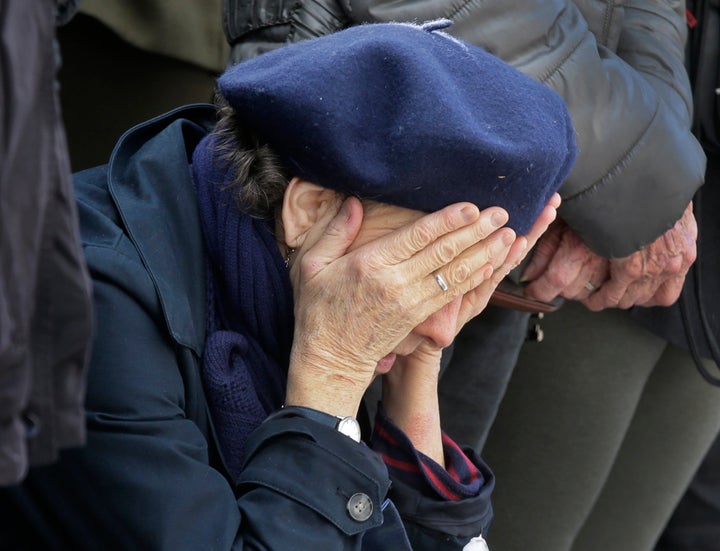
point(460, 519)
point(461, 479)
point(287, 445)
point(669, 161)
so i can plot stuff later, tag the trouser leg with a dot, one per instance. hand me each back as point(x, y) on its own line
point(474, 382)
point(695, 523)
point(675, 423)
point(562, 421)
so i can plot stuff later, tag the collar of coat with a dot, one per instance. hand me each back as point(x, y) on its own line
point(151, 185)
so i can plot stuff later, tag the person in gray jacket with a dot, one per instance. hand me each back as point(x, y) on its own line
point(626, 237)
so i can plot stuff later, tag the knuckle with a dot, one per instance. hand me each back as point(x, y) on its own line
point(458, 273)
point(674, 266)
point(497, 276)
point(309, 264)
point(421, 235)
point(393, 289)
point(558, 279)
point(369, 266)
point(613, 298)
point(655, 270)
point(362, 263)
point(444, 252)
point(670, 292)
point(390, 289)
point(662, 299)
point(634, 267)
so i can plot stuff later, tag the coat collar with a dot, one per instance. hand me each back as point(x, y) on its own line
point(150, 182)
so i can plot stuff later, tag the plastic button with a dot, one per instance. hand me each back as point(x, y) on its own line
point(360, 507)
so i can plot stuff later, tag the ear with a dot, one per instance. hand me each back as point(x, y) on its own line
point(304, 203)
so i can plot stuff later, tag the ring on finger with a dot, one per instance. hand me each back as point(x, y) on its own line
point(590, 287)
point(441, 282)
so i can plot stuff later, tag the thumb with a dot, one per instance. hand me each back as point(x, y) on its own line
point(542, 253)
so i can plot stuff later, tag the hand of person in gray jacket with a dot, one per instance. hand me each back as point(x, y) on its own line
point(562, 265)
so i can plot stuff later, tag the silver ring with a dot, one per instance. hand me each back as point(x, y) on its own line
point(441, 282)
point(590, 287)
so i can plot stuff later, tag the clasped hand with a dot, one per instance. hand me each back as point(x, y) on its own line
point(562, 265)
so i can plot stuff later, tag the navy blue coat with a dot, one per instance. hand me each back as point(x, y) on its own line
point(152, 475)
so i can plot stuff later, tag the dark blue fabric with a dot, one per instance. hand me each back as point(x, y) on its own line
point(409, 116)
point(390, 534)
point(459, 480)
point(250, 310)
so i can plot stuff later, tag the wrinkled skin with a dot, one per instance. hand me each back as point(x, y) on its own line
point(366, 296)
point(653, 276)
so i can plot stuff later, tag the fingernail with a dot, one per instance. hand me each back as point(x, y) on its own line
point(508, 238)
point(523, 244)
point(524, 276)
point(498, 218)
point(468, 213)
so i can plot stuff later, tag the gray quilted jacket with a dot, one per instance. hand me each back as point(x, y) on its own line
point(617, 63)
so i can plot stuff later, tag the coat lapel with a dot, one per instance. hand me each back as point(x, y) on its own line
point(150, 182)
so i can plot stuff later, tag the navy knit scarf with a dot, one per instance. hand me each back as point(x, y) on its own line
point(250, 309)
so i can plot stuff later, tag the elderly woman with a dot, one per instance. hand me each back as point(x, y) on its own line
point(357, 202)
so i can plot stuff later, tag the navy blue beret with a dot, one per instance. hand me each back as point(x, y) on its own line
point(410, 116)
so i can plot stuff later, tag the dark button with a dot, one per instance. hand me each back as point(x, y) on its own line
point(360, 507)
point(32, 424)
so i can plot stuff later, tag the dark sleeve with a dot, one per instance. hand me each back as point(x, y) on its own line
point(461, 479)
point(146, 479)
point(253, 28)
point(441, 509)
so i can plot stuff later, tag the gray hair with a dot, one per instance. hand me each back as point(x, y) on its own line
point(260, 179)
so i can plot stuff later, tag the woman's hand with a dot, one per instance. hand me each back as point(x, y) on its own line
point(410, 388)
point(475, 302)
point(352, 309)
point(410, 399)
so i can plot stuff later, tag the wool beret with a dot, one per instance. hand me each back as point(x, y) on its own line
point(408, 115)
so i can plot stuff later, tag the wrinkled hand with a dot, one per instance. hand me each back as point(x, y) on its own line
point(653, 276)
point(352, 309)
point(476, 301)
